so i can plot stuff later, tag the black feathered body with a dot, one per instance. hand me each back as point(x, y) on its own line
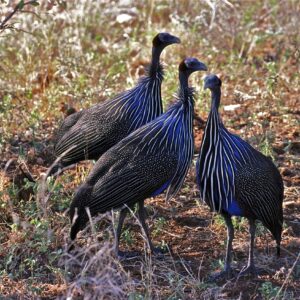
point(153, 158)
point(93, 131)
point(259, 192)
point(236, 179)
point(67, 124)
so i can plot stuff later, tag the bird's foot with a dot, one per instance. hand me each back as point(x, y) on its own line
point(127, 254)
point(248, 270)
point(158, 252)
point(226, 274)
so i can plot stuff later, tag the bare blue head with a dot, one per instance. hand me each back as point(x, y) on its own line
point(164, 39)
point(212, 82)
point(159, 43)
point(188, 66)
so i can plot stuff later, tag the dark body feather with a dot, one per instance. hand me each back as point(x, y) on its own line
point(90, 133)
point(235, 179)
point(100, 127)
point(259, 191)
point(153, 158)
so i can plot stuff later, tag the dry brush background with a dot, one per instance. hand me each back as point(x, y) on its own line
point(65, 55)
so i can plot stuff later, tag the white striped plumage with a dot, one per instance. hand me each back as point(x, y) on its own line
point(105, 124)
point(155, 143)
point(153, 158)
point(234, 179)
point(223, 163)
point(217, 165)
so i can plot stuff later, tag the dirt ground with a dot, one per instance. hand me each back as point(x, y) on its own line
point(40, 81)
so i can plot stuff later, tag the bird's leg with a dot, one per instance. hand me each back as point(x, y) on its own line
point(141, 215)
point(250, 268)
point(230, 237)
point(122, 217)
point(227, 272)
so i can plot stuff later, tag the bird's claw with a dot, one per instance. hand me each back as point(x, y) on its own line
point(223, 275)
point(248, 270)
point(158, 252)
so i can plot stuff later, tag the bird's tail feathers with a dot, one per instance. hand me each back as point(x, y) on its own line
point(276, 231)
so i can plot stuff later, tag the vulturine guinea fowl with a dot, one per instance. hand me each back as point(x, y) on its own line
point(236, 180)
point(150, 160)
point(87, 134)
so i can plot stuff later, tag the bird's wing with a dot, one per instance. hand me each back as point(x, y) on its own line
point(258, 187)
point(259, 190)
point(92, 135)
point(67, 124)
point(124, 178)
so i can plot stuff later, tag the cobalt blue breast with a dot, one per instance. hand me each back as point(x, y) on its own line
point(170, 133)
point(220, 155)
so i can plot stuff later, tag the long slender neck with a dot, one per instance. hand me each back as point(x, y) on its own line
point(215, 99)
point(214, 119)
point(184, 86)
point(154, 65)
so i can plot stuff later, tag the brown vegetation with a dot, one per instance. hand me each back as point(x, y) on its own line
point(76, 53)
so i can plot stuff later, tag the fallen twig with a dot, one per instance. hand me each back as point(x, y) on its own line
point(18, 7)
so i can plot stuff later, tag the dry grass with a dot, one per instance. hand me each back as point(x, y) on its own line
point(76, 53)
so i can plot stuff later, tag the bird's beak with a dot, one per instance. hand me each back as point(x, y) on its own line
point(173, 40)
point(200, 66)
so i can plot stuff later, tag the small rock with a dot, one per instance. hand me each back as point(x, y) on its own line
point(125, 2)
point(124, 18)
point(231, 107)
point(28, 134)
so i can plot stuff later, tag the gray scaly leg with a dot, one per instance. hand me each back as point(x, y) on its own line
point(141, 214)
point(250, 268)
point(230, 237)
point(227, 272)
point(122, 217)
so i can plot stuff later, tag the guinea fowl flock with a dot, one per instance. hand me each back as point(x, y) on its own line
point(143, 152)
